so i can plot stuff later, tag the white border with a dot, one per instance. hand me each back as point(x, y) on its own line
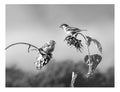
point(2, 43)
point(60, 1)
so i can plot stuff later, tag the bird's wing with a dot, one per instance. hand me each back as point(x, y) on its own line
point(73, 29)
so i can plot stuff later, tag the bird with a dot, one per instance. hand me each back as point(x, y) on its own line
point(71, 30)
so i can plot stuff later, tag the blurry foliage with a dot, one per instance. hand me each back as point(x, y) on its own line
point(58, 74)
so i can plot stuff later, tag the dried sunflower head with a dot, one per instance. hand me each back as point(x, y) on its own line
point(42, 59)
point(72, 41)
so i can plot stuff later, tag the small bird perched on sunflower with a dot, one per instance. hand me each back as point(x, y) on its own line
point(71, 30)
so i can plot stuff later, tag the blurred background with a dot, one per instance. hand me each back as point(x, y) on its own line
point(37, 24)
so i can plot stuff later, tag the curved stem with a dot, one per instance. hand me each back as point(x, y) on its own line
point(21, 43)
point(88, 52)
point(83, 36)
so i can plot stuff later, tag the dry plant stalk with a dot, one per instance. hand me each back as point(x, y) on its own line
point(74, 76)
point(91, 60)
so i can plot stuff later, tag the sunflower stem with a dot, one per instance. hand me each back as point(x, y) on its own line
point(89, 60)
point(74, 76)
point(21, 43)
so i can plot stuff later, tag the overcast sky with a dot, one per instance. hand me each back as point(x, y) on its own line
point(37, 24)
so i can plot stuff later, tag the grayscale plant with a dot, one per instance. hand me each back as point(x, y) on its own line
point(91, 60)
point(44, 52)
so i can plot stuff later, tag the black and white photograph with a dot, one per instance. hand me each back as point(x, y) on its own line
point(59, 45)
